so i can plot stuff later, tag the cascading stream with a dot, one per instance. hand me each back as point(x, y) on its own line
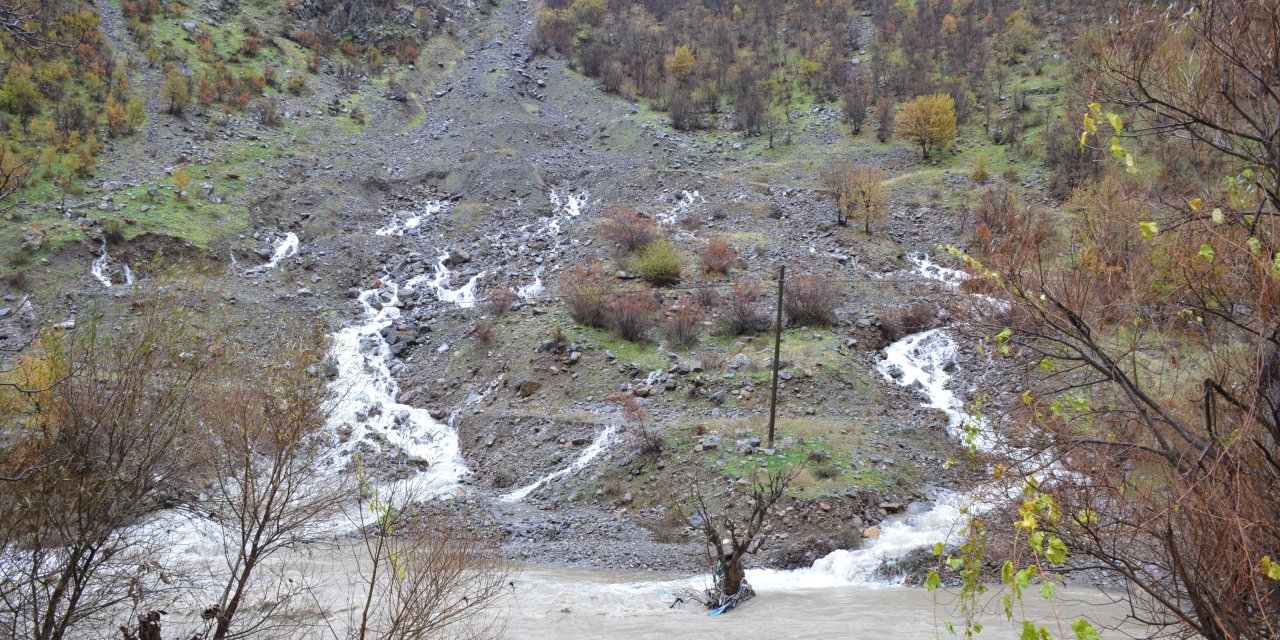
point(286, 247)
point(101, 269)
point(566, 210)
point(920, 359)
point(603, 440)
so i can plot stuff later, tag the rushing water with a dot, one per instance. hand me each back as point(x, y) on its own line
point(366, 411)
point(565, 210)
point(101, 269)
point(603, 440)
point(551, 604)
point(286, 247)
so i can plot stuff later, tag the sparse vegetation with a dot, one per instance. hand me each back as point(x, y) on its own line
point(810, 300)
point(659, 263)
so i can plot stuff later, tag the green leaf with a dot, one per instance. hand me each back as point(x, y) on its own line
point(1218, 216)
point(1206, 252)
point(937, 549)
point(933, 581)
point(955, 563)
point(1046, 590)
point(1128, 164)
point(1028, 632)
point(1255, 245)
point(1006, 572)
point(1008, 607)
point(951, 628)
point(1117, 149)
point(1057, 551)
point(1149, 229)
point(1037, 541)
point(1116, 123)
point(1084, 630)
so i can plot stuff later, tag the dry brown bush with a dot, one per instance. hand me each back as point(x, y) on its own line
point(742, 312)
point(682, 326)
point(811, 300)
point(588, 293)
point(718, 257)
point(898, 323)
point(627, 228)
point(632, 314)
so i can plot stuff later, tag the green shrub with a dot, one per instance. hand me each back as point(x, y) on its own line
point(659, 263)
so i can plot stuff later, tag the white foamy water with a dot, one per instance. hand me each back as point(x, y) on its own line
point(286, 247)
point(365, 401)
point(409, 221)
point(688, 200)
point(934, 271)
point(101, 269)
point(920, 360)
point(464, 296)
point(566, 210)
point(898, 537)
point(603, 440)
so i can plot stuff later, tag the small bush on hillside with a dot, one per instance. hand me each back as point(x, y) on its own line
point(631, 314)
point(625, 226)
point(718, 257)
point(681, 327)
point(499, 301)
point(743, 313)
point(659, 263)
point(587, 294)
point(483, 332)
point(810, 300)
point(980, 174)
point(899, 323)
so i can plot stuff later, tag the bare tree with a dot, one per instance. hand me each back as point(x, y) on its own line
point(269, 487)
point(731, 536)
point(423, 580)
point(96, 422)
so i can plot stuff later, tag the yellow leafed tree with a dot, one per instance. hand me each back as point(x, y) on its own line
point(928, 121)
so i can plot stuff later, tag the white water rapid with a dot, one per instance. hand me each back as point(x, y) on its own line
point(286, 247)
point(410, 221)
point(603, 440)
point(464, 296)
point(101, 269)
point(366, 411)
point(688, 200)
point(566, 210)
point(919, 360)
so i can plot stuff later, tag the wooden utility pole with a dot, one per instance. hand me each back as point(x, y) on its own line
point(777, 349)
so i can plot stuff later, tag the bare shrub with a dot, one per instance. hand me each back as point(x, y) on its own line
point(681, 327)
point(650, 436)
point(632, 314)
point(811, 300)
point(483, 332)
point(903, 322)
point(268, 112)
point(267, 436)
point(499, 301)
point(718, 257)
point(627, 228)
point(100, 425)
point(743, 312)
point(706, 297)
point(430, 581)
point(587, 293)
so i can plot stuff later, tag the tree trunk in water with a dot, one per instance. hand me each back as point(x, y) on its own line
point(733, 575)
